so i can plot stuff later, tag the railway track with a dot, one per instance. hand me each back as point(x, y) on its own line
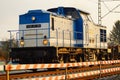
point(67, 73)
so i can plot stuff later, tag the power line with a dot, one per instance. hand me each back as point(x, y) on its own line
point(106, 6)
point(116, 11)
point(109, 10)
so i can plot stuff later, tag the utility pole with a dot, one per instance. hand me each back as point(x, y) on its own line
point(99, 13)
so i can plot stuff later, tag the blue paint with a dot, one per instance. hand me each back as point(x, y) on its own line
point(78, 28)
point(60, 11)
point(39, 17)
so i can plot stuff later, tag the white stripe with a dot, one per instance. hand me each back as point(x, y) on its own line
point(1, 67)
point(41, 66)
point(84, 73)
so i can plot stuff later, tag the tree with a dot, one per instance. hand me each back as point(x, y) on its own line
point(4, 51)
point(114, 36)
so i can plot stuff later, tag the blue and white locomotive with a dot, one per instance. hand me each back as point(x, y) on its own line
point(63, 34)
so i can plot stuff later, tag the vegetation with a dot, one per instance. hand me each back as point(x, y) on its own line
point(114, 36)
point(4, 51)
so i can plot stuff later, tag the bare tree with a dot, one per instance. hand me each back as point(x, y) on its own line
point(4, 52)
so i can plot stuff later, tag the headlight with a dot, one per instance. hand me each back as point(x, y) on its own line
point(45, 41)
point(33, 18)
point(22, 43)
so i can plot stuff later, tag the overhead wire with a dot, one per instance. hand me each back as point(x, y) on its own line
point(106, 6)
point(111, 10)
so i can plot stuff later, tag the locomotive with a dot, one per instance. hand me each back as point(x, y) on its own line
point(59, 35)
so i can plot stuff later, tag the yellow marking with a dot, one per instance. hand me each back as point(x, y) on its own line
point(33, 34)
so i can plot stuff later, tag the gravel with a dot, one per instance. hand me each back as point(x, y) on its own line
point(114, 77)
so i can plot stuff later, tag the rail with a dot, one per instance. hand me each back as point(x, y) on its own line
point(83, 69)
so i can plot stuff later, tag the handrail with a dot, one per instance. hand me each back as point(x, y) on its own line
point(64, 35)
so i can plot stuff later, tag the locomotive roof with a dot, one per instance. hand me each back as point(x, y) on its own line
point(83, 12)
point(70, 8)
point(35, 11)
point(48, 11)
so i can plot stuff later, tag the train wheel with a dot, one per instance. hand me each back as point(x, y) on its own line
point(66, 58)
point(79, 58)
point(95, 57)
point(92, 56)
point(86, 57)
point(61, 59)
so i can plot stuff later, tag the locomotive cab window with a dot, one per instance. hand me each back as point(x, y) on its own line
point(71, 12)
point(102, 35)
point(52, 23)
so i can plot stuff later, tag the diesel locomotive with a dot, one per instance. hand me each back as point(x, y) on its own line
point(59, 35)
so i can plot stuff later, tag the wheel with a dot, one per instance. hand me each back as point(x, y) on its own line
point(60, 59)
point(79, 58)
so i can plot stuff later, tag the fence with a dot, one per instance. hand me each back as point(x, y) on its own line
point(10, 67)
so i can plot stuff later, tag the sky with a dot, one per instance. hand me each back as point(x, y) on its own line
point(11, 9)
